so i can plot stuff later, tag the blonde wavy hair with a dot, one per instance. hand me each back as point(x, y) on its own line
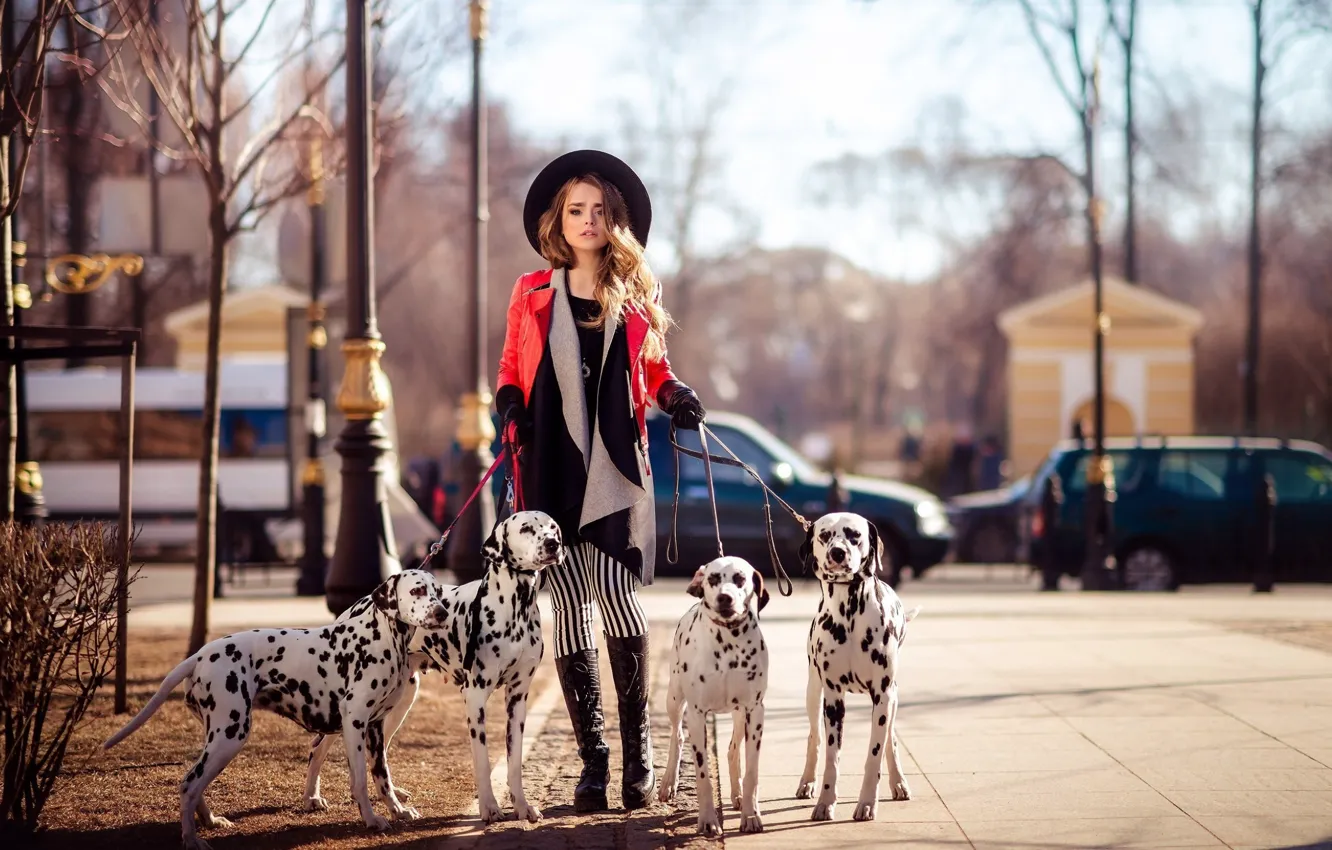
point(622, 276)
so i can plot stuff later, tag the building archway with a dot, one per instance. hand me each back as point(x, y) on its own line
point(1118, 419)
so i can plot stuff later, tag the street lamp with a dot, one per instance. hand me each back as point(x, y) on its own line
point(314, 563)
point(365, 552)
point(475, 431)
point(1097, 566)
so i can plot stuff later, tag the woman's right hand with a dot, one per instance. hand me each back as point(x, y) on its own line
point(515, 425)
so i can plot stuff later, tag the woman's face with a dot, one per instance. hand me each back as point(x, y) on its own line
point(584, 222)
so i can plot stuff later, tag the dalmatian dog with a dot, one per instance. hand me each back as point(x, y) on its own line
point(490, 636)
point(337, 678)
point(854, 645)
point(719, 662)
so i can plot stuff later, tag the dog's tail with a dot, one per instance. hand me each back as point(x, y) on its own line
point(911, 615)
point(175, 677)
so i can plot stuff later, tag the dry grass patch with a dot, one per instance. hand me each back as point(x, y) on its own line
point(128, 797)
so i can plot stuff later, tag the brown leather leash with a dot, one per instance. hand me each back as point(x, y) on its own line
point(784, 583)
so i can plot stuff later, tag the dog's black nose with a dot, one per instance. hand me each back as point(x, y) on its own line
point(725, 603)
point(837, 554)
point(551, 545)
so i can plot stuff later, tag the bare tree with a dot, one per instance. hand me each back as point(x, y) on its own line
point(1123, 15)
point(1276, 25)
point(692, 74)
point(196, 71)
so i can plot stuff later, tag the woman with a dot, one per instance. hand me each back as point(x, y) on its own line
point(584, 351)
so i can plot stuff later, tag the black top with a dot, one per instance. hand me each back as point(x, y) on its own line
point(554, 476)
point(590, 343)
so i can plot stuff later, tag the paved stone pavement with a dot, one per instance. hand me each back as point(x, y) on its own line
point(1028, 721)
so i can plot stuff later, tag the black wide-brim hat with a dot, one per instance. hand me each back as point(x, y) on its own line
point(578, 164)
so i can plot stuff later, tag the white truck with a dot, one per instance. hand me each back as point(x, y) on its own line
point(73, 418)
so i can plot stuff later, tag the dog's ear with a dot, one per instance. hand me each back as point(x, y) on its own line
point(875, 559)
point(385, 596)
point(760, 590)
point(807, 548)
point(696, 584)
point(491, 548)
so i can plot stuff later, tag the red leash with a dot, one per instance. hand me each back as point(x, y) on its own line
point(505, 453)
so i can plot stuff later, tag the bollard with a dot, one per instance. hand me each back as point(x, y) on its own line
point(1265, 538)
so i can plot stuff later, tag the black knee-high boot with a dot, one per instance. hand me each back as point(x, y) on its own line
point(580, 679)
point(629, 668)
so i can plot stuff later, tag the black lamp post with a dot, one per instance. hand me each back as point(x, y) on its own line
point(1097, 566)
point(475, 431)
point(314, 563)
point(366, 552)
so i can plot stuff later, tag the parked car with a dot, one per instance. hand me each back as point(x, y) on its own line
point(1186, 510)
point(985, 524)
point(911, 521)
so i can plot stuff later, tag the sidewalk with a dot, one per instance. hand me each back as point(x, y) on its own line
point(1028, 721)
point(1071, 720)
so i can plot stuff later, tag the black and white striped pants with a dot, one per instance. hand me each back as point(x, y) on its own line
point(586, 575)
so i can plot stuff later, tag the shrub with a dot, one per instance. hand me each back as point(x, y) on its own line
point(58, 590)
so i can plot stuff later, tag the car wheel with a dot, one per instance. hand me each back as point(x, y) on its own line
point(1149, 568)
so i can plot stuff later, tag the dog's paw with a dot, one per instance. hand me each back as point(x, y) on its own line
point(709, 825)
point(824, 811)
point(216, 822)
point(490, 811)
point(529, 813)
point(316, 804)
point(735, 803)
point(665, 793)
point(866, 811)
point(377, 822)
point(806, 790)
point(402, 793)
point(900, 790)
point(405, 813)
point(752, 823)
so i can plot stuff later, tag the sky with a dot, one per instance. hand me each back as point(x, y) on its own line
point(806, 82)
point(812, 80)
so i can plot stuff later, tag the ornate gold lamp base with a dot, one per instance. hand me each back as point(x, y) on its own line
point(366, 552)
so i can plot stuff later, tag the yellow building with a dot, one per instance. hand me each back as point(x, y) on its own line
point(254, 324)
point(1148, 367)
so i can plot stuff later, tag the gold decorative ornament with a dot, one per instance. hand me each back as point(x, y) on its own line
point(318, 337)
point(315, 196)
point(480, 19)
point(474, 426)
point(28, 478)
point(365, 392)
point(84, 274)
point(22, 296)
point(1103, 322)
point(312, 474)
point(19, 250)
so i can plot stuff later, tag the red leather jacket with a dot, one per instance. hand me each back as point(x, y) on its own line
point(525, 339)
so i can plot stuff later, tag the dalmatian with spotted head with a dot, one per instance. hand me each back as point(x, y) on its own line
point(719, 662)
point(489, 637)
point(342, 678)
point(854, 645)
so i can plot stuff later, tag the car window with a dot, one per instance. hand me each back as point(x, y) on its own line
point(1300, 478)
point(1198, 475)
point(1128, 472)
point(691, 469)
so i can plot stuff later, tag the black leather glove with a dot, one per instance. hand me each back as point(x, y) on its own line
point(682, 404)
point(512, 412)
